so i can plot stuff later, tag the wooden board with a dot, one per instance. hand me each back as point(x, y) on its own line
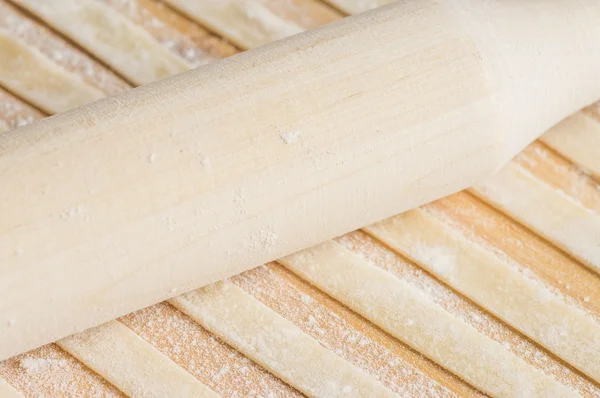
point(493, 291)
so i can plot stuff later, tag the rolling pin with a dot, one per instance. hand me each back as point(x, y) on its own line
point(171, 186)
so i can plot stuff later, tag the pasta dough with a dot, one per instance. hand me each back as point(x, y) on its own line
point(412, 317)
point(131, 364)
point(275, 343)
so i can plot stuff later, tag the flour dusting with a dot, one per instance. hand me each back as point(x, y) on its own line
point(289, 137)
point(440, 259)
point(205, 162)
point(39, 364)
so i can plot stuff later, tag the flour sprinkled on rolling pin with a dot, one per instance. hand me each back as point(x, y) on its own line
point(396, 107)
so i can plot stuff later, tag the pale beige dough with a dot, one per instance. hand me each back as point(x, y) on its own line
point(496, 285)
point(356, 6)
point(411, 316)
point(577, 138)
point(247, 23)
point(546, 210)
point(27, 72)
point(111, 36)
point(131, 364)
point(275, 343)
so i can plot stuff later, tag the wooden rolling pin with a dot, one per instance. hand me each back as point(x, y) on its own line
point(136, 198)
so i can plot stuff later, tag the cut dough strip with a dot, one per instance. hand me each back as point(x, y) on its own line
point(275, 343)
point(216, 364)
point(547, 211)
point(64, 54)
point(30, 74)
point(499, 287)
point(350, 336)
point(411, 316)
point(50, 371)
point(173, 30)
point(248, 23)
point(472, 218)
point(532, 202)
point(132, 365)
point(111, 36)
point(7, 391)
point(558, 172)
point(578, 139)
point(14, 113)
point(461, 307)
point(357, 6)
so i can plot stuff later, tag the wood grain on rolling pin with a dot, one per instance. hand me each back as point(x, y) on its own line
point(357, 6)
point(190, 213)
point(203, 48)
point(582, 144)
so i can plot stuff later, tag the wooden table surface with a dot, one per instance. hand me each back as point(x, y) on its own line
point(492, 291)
